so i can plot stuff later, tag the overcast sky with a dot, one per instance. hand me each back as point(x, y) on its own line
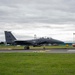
point(45, 18)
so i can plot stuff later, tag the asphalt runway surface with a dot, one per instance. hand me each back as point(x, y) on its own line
point(39, 51)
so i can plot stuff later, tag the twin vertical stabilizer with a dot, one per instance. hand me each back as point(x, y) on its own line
point(9, 37)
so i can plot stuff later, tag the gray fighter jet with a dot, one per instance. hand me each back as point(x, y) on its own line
point(10, 39)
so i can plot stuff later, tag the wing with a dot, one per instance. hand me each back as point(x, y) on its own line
point(17, 42)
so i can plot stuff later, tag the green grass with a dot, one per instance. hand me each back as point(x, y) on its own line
point(52, 47)
point(31, 47)
point(37, 64)
point(11, 47)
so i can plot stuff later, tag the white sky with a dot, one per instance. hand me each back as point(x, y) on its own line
point(45, 18)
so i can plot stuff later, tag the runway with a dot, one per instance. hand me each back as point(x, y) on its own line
point(39, 51)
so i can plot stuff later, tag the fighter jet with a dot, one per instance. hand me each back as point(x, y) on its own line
point(10, 39)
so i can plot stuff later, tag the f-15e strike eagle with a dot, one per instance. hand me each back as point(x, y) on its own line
point(10, 39)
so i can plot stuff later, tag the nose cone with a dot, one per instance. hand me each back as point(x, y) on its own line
point(55, 41)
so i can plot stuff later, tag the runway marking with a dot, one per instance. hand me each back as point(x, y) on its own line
point(39, 51)
point(47, 50)
point(71, 50)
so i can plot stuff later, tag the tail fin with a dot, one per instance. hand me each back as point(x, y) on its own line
point(9, 37)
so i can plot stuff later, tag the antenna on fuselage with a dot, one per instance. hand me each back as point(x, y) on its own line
point(35, 36)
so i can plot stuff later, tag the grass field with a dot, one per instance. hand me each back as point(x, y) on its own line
point(31, 47)
point(37, 64)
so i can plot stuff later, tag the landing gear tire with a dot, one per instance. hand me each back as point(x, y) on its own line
point(26, 48)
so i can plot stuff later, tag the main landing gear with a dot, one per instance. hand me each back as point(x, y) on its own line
point(26, 48)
